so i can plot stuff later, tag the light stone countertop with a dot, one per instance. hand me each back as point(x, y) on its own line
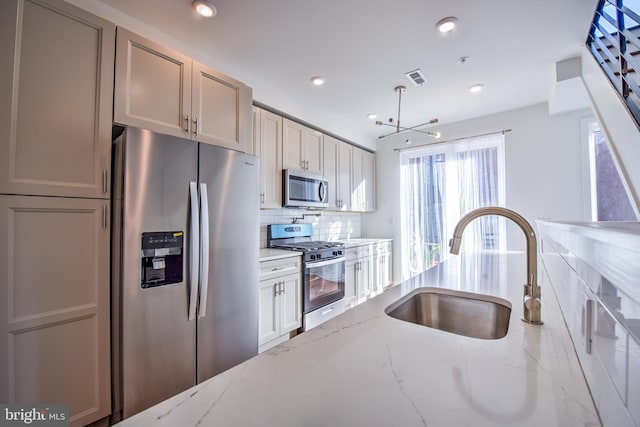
point(269, 254)
point(364, 368)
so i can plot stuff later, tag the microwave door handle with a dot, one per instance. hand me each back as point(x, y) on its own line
point(321, 191)
point(195, 250)
point(204, 266)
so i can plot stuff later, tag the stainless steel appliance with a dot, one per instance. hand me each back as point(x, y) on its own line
point(304, 190)
point(185, 265)
point(323, 264)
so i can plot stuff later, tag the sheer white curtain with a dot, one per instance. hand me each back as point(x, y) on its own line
point(442, 182)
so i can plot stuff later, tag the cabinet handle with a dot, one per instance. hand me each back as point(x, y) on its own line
point(276, 269)
point(262, 198)
point(282, 288)
point(195, 126)
point(186, 119)
point(104, 216)
point(105, 181)
point(587, 325)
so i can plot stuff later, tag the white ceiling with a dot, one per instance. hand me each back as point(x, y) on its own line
point(364, 47)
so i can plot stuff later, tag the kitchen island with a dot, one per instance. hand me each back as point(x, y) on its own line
point(365, 368)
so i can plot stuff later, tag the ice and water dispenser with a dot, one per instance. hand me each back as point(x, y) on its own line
point(162, 256)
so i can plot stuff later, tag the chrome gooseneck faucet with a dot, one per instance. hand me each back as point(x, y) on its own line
point(532, 304)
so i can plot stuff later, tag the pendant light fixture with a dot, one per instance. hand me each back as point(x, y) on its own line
point(204, 8)
point(396, 123)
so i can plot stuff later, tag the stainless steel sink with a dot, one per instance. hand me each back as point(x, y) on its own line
point(458, 312)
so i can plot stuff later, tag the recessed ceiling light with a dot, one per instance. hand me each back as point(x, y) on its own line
point(372, 116)
point(317, 80)
point(437, 135)
point(446, 24)
point(204, 8)
point(476, 88)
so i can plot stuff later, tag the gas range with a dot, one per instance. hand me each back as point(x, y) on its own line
point(297, 237)
point(323, 266)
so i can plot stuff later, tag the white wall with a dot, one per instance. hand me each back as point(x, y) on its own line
point(544, 170)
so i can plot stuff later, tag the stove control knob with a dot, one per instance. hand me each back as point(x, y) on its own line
point(312, 256)
point(319, 256)
point(336, 253)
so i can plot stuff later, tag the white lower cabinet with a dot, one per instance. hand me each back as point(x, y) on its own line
point(604, 347)
point(357, 275)
point(367, 271)
point(280, 301)
point(54, 315)
point(381, 268)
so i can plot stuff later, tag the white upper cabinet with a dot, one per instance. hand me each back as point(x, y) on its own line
point(369, 173)
point(363, 184)
point(220, 109)
point(161, 90)
point(56, 92)
point(301, 147)
point(270, 145)
point(330, 163)
point(337, 170)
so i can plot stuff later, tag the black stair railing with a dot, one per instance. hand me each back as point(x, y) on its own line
point(614, 42)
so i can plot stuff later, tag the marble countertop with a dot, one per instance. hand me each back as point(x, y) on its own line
point(364, 368)
point(269, 254)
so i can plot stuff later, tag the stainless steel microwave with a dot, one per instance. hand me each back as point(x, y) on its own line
point(302, 189)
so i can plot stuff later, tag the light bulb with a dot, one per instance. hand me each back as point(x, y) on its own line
point(446, 24)
point(317, 80)
point(204, 8)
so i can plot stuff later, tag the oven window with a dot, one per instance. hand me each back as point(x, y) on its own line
point(324, 281)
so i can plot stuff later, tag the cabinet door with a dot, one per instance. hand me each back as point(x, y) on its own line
point(358, 184)
point(350, 291)
point(255, 142)
point(220, 109)
point(369, 180)
point(269, 323)
point(270, 160)
point(345, 157)
point(330, 161)
point(56, 91)
point(291, 303)
point(363, 279)
point(152, 86)
point(313, 143)
point(292, 145)
point(54, 316)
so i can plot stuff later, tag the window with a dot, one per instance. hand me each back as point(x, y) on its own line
point(609, 199)
point(442, 182)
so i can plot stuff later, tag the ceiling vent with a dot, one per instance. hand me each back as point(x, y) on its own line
point(417, 77)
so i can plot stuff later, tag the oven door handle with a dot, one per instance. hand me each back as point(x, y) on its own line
point(324, 263)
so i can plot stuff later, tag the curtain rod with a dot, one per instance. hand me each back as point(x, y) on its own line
point(503, 131)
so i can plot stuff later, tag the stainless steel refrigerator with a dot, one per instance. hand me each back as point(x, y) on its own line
point(185, 272)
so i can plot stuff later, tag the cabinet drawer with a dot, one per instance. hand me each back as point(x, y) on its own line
point(383, 247)
point(279, 267)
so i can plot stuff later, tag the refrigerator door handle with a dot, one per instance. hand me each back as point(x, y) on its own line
point(195, 250)
point(204, 238)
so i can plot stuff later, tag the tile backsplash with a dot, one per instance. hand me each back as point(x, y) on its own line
point(326, 226)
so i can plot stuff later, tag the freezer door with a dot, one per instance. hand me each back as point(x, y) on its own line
point(157, 355)
point(228, 318)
